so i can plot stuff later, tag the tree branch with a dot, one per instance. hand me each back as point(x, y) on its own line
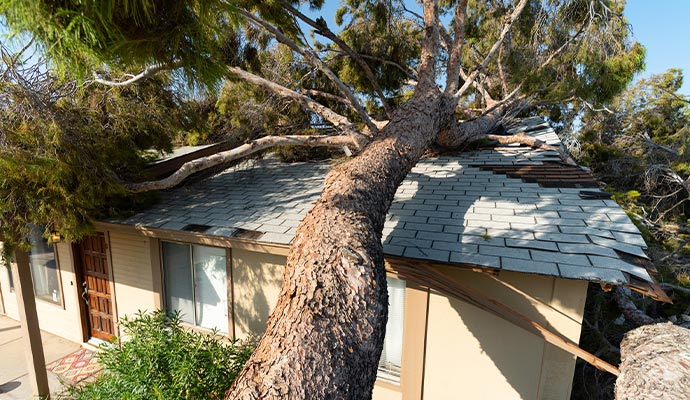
point(670, 287)
point(317, 62)
point(633, 314)
point(409, 73)
point(430, 40)
point(501, 73)
point(246, 149)
point(480, 88)
point(323, 30)
point(455, 52)
point(530, 141)
point(149, 71)
point(326, 95)
point(339, 121)
point(494, 48)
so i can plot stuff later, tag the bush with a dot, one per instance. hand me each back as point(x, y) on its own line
point(160, 359)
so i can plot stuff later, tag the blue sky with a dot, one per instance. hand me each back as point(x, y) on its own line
point(663, 27)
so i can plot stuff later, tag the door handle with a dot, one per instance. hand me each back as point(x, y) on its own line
point(85, 292)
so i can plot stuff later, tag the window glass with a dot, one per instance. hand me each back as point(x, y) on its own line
point(391, 357)
point(195, 284)
point(44, 270)
point(211, 290)
point(179, 294)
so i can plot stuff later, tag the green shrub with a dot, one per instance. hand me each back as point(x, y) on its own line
point(160, 359)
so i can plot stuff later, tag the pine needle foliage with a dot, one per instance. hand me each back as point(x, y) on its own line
point(64, 152)
point(190, 37)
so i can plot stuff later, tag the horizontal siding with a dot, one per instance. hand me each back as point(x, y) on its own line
point(132, 272)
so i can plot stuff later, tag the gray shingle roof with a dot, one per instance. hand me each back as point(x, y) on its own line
point(447, 210)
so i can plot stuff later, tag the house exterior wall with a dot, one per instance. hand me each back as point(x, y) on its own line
point(450, 347)
point(59, 319)
point(487, 357)
point(256, 278)
point(131, 272)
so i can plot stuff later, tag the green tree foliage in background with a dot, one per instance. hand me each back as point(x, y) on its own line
point(642, 143)
point(638, 145)
point(160, 359)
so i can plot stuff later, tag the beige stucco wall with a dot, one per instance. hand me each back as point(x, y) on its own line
point(257, 278)
point(62, 320)
point(132, 272)
point(487, 357)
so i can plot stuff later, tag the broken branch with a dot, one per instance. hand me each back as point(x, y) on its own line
point(530, 141)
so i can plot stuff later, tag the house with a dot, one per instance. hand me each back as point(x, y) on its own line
point(510, 226)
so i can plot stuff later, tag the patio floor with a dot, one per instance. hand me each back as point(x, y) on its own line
point(14, 382)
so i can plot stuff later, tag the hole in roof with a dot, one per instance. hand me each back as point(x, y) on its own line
point(196, 228)
point(636, 260)
point(246, 234)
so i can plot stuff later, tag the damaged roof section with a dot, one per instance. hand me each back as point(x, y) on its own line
point(510, 208)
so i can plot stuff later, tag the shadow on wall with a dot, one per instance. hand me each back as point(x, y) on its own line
point(257, 278)
point(436, 201)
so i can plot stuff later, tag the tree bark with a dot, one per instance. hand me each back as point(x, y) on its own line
point(655, 364)
point(459, 134)
point(244, 150)
point(324, 338)
point(621, 295)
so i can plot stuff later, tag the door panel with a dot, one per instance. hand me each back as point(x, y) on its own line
point(96, 286)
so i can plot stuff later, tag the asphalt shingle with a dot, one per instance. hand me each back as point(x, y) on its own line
point(446, 210)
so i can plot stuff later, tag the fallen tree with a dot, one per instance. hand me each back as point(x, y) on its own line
point(324, 338)
point(655, 363)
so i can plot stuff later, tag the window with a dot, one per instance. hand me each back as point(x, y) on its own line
point(195, 284)
point(391, 357)
point(44, 269)
point(11, 278)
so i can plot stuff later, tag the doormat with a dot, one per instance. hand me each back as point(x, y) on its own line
point(77, 366)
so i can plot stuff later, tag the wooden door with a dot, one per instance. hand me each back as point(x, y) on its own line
point(96, 293)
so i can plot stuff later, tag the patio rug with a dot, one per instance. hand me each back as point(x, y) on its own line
point(77, 366)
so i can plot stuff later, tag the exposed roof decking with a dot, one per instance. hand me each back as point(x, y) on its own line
point(447, 210)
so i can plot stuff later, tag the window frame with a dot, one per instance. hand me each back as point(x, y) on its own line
point(382, 374)
point(415, 322)
point(58, 273)
point(228, 284)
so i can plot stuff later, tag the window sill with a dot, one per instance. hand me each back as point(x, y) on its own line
point(388, 382)
point(59, 304)
point(201, 329)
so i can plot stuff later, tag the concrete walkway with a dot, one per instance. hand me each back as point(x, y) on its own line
point(14, 384)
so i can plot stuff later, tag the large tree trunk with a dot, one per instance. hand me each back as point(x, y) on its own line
point(655, 364)
point(325, 336)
